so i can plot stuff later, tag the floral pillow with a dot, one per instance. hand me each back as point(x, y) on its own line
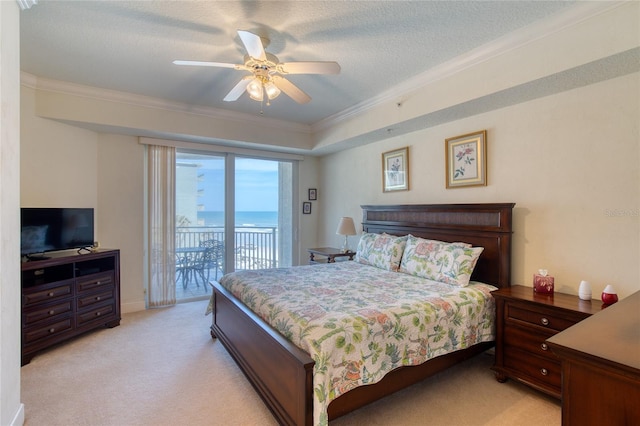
point(449, 263)
point(383, 251)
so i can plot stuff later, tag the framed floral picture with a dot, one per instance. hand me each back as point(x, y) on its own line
point(306, 207)
point(395, 170)
point(466, 160)
point(313, 194)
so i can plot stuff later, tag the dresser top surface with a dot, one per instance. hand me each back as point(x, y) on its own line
point(613, 334)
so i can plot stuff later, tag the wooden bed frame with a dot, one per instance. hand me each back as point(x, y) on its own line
point(282, 373)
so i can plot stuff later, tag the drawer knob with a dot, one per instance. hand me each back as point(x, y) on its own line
point(51, 312)
point(98, 298)
point(544, 321)
point(98, 314)
point(98, 282)
point(52, 330)
point(544, 347)
point(544, 371)
point(51, 294)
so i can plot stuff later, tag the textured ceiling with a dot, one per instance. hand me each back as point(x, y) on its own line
point(129, 46)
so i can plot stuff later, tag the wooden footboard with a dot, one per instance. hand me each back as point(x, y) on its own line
point(280, 372)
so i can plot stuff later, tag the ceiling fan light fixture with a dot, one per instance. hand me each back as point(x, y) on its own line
point(271, 90)
point(254, 89)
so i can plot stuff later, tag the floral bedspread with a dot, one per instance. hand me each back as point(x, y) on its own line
point(358, 322)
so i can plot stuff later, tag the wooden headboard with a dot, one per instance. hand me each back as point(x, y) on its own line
point(483, 225)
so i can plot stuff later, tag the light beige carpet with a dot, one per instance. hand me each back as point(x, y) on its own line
point(161, 367)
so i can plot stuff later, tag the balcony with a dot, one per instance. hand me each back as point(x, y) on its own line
point(254, 247)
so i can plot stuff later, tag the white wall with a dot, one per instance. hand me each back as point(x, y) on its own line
point(11, 410)
point(570, 162)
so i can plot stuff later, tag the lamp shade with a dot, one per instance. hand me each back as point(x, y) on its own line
point(346, 227)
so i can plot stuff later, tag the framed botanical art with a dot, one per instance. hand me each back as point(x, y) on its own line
point(395, 170)
point(306, 207)
point(313, 194)
point(466, 160)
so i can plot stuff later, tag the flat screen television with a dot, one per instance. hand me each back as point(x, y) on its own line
point(50, 229)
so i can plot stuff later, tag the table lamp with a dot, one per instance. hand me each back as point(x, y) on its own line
point(346, 227)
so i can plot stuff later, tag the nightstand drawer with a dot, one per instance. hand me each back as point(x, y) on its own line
point(541, 371)
point(539, 317)
point(529, 341)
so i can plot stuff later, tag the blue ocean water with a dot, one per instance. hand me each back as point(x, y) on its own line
point(213, 218)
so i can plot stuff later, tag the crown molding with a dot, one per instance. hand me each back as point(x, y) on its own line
point(64, 87)
point(519, 38)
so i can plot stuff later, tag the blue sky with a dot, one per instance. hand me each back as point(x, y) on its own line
point(256, 184)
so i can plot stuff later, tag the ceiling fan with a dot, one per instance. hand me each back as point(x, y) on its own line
point(267, 72)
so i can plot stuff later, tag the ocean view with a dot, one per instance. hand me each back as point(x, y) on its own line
point(216, 218)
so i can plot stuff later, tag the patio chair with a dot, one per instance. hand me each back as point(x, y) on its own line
point(212, 258)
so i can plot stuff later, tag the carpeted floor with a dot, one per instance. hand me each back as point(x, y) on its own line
point(161, 367)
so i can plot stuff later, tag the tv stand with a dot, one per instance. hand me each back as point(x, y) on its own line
point(64, 296)
point(36, 257)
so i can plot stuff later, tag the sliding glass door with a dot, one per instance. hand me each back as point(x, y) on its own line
point(232, 213)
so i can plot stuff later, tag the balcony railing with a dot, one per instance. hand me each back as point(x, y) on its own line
point(255, 247)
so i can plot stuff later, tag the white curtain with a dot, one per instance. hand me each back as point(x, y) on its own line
point(161, 210)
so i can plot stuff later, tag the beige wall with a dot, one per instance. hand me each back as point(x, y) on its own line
point(570, 162)
point(121, 211)
point(59, 162)
point(63, 165)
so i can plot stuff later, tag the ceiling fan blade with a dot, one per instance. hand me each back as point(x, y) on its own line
point(253, 44)
point(290, 89)
point(238, 89)
point(209, 64)
point(309, 68)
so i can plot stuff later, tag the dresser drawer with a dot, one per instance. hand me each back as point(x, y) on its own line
point(33, 334)
point(95, 281)
point(539, 317)
point(539, 370)
point(94, 298)
point(33, 316)
point(98, 313)
point(531, 341)
point(46, 293)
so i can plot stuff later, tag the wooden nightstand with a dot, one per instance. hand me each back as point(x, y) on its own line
point(329, 253)
point(524, 321)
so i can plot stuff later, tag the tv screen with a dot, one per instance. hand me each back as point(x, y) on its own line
point(49, 229)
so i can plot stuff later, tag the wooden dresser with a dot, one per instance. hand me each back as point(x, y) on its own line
point(64, 296)
point(524, 321)
point(601, 367)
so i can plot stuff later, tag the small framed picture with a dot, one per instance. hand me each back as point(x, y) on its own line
point(466, 160)
point(306, 207)
point(395, 170)
point(313, 194)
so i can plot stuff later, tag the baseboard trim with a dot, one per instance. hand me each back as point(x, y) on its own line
point(127, 308)
point(18, 419)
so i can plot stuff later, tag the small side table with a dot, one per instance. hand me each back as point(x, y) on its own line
point(329, 253)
